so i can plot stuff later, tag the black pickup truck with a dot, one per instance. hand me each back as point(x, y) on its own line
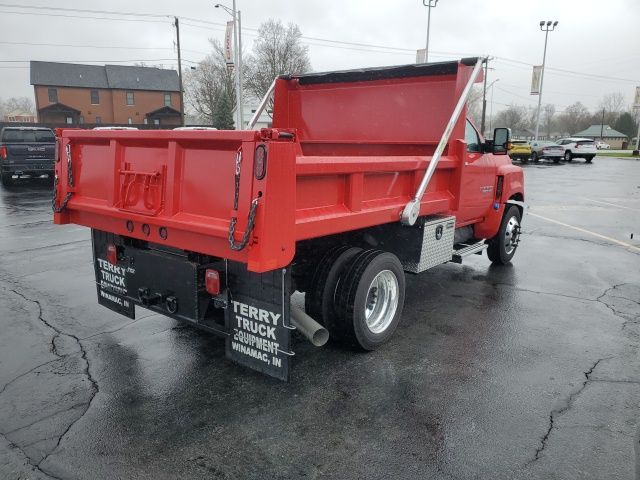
point(26, 151)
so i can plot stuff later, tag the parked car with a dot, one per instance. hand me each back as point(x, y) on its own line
point(578, 148)
point(520, 150)
point(602, 146)
point(547, 150)
point(26, 151)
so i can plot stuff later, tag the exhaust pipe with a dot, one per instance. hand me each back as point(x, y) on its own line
point(316, 333)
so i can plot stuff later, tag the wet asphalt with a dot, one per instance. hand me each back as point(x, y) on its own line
point(530, 371)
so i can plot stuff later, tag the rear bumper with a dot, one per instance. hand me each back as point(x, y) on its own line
point(584, 154)
point(551, 156)
point(31, 168)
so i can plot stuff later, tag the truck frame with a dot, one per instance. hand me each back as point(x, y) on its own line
point(364, 175)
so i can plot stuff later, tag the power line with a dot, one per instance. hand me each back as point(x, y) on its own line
point(100, 61)
point(154, 18)
point(571, 72)
point(107, 47)
point(86, 16)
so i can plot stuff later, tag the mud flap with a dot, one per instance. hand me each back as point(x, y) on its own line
point(257, 320)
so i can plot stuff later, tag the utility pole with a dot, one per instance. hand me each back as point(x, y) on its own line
point(240, 106)
point(547, 27)
point(237, 46)
point(602, 125)
point(429, 4)
point(491, 107)
point(177, 24)
point(484, 95)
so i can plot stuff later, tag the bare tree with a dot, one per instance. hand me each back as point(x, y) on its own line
point(613, 104)
point(210, 89)
point(474, 105)
point(547, 114)
point(23, 104)
point(574, 118)
point(513, 117)
point(278, 50)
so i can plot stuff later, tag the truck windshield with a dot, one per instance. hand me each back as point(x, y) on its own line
point(28, 136)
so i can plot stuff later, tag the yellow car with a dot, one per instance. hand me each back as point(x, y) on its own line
point(520, 150)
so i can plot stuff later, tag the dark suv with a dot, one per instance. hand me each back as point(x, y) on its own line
point(26, 151)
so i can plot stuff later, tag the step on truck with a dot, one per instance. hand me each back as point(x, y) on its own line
point(364, 176)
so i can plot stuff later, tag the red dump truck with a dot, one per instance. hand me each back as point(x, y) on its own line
point(364, 175)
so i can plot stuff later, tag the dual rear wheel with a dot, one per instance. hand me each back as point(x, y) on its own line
point(358, 295)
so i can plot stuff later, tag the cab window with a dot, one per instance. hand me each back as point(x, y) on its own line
point(471, 137)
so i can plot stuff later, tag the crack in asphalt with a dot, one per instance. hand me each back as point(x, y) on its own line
point(625, 316)
point(25, 374)
point(566, 407)
point(54, 349)
point(539, 292)
point(578, 239)
point(47, 417)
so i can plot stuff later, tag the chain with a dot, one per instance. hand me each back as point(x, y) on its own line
point(245, 236)
point(67, 150)
point(56, 181)
point(234, 220)
point(236, 194)
point(66, 199)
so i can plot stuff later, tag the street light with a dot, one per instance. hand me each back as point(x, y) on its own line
point(546, 27)
point(237, 45)
point(429, 4)
point(491, 106)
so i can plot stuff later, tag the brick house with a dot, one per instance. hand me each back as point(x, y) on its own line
point(112, 94)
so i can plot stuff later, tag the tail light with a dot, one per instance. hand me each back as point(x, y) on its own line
point(3, 152)
point(260, 162)
point(499, 185)
point(112, 254)
point(577, 145)
point(212, 281)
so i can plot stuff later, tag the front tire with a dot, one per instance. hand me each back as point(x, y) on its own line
point(568, 156)
point(534, 157)
point(503, 246)
point(370, 298)
point(589, 159)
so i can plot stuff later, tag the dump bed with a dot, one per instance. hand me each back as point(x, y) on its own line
point(346, 151)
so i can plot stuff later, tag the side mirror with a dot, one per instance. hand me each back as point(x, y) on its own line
point(501, 141)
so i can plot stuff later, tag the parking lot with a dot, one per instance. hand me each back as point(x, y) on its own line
point(530, 371)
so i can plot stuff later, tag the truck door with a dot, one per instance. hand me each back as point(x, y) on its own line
point(477, 182)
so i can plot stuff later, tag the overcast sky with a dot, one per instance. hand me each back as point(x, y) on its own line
point(594, 37)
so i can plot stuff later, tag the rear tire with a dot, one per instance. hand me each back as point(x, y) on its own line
point(370, 298)
point(589, 159)
point(320, 295)
point(534, 157)
point(6, 178)
point(568, 156)
point(503, 246)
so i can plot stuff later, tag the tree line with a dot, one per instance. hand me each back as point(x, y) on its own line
point(21, 104)
point(210, 89)
point(612, 111)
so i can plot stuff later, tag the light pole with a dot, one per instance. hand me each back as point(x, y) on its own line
point(546, 27)
point(237, 45)
point(491, 104)
point(429, 4)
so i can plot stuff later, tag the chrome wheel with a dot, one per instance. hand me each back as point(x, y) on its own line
point(511, 235)
point(382, 301)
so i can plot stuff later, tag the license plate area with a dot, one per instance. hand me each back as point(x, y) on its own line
point(157, 280)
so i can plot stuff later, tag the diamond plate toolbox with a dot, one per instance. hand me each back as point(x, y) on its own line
point(437, 244)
